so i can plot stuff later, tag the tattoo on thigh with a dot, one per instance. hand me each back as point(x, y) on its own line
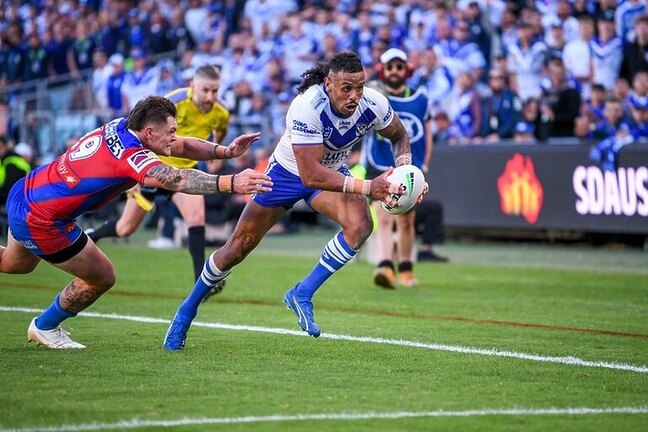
point(76, 297)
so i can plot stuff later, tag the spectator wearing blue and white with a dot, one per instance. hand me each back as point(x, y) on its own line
point(298, 48)
point(237, 65)
point(524, 133)
point(612, 119)
point(556, 43)
point(137, 29)
point(625, 15)
point(506, 34)
point(168, 80)
point(463, 106)
point(196, 19)
point(260, 11)
point(114, 88)
point(592, 108)
point(525, 62)
point(363, 37)
point(141, 82)
point(639, 119)
point(100, 75)
point(501, 108)
point(607, 52)
point(562, 17)
point(578, 56)
point(434, 77)
point(418, 38)
point(460, 54)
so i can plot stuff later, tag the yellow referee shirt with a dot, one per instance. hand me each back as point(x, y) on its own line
point(195, 123)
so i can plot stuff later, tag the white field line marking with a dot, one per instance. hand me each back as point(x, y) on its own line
point(136, 423)
point(399, 342)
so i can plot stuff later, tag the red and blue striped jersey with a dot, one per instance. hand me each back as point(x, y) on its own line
point(89, 174)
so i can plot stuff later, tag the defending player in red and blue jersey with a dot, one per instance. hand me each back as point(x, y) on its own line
point(43, 207)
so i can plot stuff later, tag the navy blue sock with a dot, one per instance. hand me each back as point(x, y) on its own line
point(209, 278)
point(336, 253)
point(53, 316)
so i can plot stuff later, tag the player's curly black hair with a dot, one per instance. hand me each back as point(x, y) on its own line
point(152, 109)
point(346, 61)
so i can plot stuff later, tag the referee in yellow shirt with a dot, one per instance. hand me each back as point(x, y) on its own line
point(200, 115)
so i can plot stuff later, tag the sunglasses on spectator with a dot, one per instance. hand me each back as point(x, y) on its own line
point(396, 66)
point(496, 77)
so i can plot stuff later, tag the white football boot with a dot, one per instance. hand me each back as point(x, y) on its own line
point(56, 338)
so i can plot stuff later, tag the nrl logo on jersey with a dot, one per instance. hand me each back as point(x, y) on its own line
point(327, 132)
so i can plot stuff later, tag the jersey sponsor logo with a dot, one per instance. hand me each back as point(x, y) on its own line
point(363, 128)
point(344, 124)
point(85, 148)
point(112, 139)
point(387, 118)
point(520, 190)
point(330, 159)
point(299, 126)
point(141, 159)
point(65, 173)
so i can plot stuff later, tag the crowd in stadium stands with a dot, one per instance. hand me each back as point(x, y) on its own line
point(519, 70)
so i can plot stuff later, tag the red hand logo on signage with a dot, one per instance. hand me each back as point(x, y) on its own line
point(519, 189)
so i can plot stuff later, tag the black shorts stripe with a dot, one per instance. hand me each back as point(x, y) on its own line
point(68, 252)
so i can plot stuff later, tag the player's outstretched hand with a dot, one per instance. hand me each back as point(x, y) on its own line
point(241, 144)
point(386, 191)
point(250, 181)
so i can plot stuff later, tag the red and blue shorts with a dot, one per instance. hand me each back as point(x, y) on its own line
point(55, 241)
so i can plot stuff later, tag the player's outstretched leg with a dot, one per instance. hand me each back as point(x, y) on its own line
point(336, 253)
point(177, 334)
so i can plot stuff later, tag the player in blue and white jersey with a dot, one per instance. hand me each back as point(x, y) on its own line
point(413, 109)
point(332, 111)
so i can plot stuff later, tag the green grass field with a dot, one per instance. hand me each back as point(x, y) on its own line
point(505, 337)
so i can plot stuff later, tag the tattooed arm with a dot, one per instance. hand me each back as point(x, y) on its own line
point(397, 134)
point(199, 183)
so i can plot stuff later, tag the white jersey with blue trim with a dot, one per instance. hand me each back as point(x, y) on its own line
point(311, 121)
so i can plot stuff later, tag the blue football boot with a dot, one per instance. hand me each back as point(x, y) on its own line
point(176, 336)
point(304, 311)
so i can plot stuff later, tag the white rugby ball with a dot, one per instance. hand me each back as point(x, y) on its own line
point(414, 181)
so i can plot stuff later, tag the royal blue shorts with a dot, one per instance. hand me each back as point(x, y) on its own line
point(54, 241)
point(287, 188)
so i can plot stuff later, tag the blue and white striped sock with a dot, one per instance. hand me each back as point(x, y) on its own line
point(336, 253)
point(209, 277)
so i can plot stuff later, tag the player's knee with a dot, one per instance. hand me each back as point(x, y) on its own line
point(106, 279)
point(360, 231)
